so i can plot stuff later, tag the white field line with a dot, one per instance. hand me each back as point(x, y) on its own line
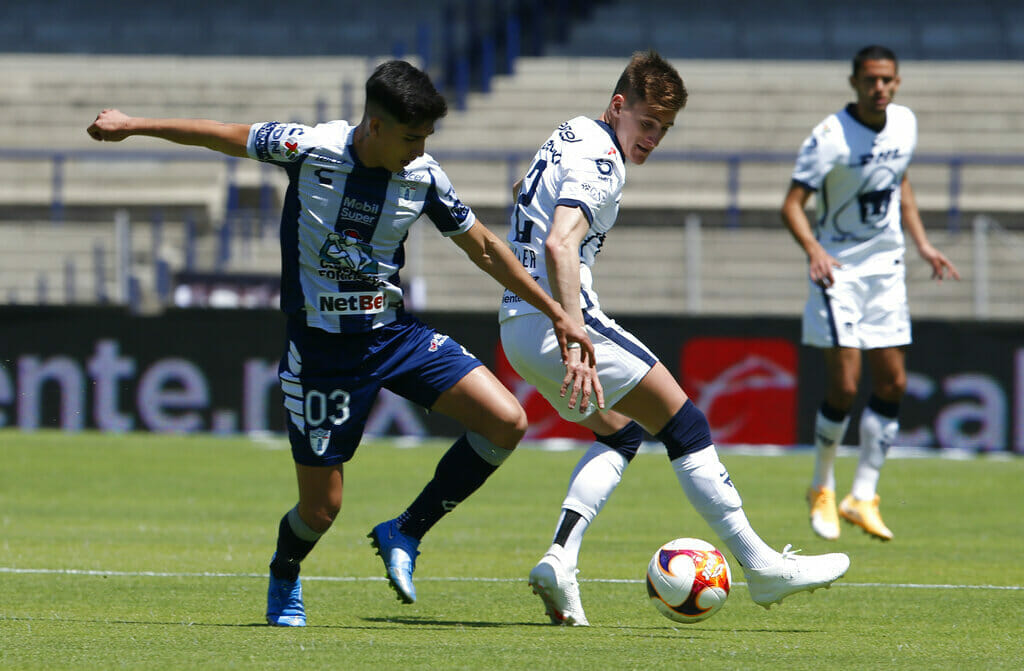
point(271, 441)
point(312, 578)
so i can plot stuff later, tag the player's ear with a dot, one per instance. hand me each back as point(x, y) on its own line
point(374, 126)
point(618, 101)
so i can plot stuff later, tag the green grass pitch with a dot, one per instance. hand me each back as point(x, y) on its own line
point(150, 552)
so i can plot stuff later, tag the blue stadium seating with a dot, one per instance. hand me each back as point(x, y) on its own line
point(760, 29)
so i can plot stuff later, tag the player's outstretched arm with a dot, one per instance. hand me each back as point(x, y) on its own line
point(562, 260)
point(228, 138)
point(914, 226)
point(494, 257)
point(819, 262)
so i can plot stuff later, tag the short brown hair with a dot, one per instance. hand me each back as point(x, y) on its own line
point(652, 79)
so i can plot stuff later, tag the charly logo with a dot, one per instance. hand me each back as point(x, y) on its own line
point(346, 250)
point(436, 341)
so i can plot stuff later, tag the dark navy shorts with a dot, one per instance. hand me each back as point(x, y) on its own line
point(330, 380)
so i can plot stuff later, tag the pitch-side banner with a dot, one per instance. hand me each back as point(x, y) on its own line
point(216, 371)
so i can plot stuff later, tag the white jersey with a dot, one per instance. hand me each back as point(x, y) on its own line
point(857, 173)
point(580, 165)
point(344, 225)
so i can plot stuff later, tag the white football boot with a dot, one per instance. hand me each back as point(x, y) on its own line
point(558, 589)
point(792, 574)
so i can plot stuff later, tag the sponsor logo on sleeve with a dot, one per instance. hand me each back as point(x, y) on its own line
point(567, 134)
point(436, 341)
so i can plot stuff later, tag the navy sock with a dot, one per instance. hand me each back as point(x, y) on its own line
point(832, 414)
point(626, 441)
point(291, 550)
point(460, 472)
point(889, 409)
point(687, 431)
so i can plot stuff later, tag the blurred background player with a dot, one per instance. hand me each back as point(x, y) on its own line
point(565, 206)
point(353, 193)
point(856, 160)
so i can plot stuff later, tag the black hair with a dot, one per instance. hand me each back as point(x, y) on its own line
point(405, 93)
point(874, 52)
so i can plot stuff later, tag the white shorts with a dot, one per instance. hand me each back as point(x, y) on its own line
point(530, 345)
point(859, 311)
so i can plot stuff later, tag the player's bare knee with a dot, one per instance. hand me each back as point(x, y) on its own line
point(324, 518)
point(512, 428)
point(320, 517)
point(311, 522)
point(893, 389)
point(841, 397)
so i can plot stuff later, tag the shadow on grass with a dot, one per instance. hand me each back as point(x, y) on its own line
point(430, 621)
point(643, 631)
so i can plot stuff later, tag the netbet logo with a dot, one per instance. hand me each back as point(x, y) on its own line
point(366, 303)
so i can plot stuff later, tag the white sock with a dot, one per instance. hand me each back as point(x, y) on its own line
point(595, 477)
point(877, 433)
point(827, 435)
point(706, 483)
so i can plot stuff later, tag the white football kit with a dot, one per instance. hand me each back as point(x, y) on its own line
point(857, 174)
point(581, 165)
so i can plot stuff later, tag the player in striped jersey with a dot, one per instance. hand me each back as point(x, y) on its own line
point(856, 161)
point(565, 206)
point(353, 193)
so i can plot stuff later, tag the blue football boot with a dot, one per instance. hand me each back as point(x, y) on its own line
point(399, 553)
point(284, 603)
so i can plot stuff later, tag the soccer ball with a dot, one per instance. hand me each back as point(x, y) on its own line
point(688, 580)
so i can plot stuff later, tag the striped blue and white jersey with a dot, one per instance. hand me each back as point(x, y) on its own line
point(580, 165)
point(344, 225)
point(857, 173)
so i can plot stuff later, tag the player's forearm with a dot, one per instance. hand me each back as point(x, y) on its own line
point(493, 256)
point(562, 258)
point(910, 216)
point(227, 138)
point(563, 266)
point(800, 228)
point(795, 218)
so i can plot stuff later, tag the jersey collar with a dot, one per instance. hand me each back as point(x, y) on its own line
point(851, 109)
point(611, 133)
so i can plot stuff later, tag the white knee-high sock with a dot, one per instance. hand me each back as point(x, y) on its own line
point(827, 435)
point(877, 433)
point(595, 477)
point(707, 485)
